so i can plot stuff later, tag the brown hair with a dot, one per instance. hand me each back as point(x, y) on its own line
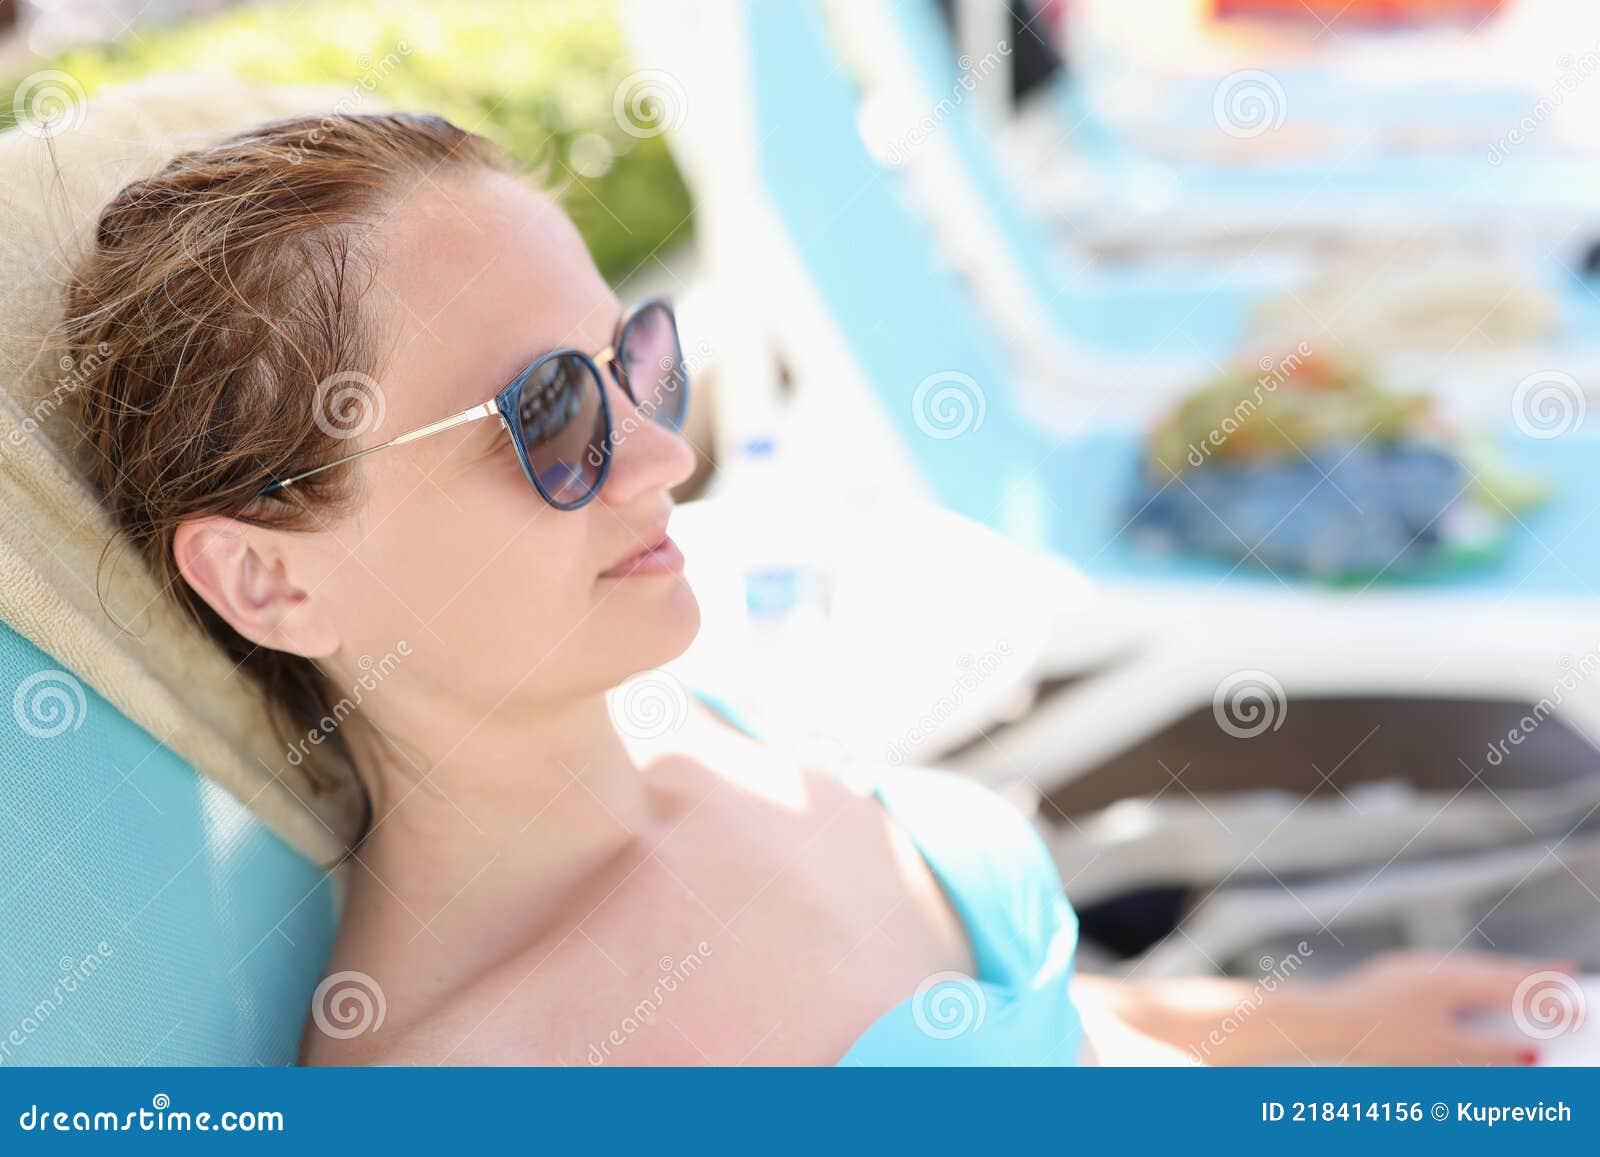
point(222, 294)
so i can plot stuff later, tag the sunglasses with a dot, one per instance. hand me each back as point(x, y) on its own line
point(556, 409)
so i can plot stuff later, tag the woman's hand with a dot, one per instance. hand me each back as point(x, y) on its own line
point(1398, 1008)
point(1409, 1007)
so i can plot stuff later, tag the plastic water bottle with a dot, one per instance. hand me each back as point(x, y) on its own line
point(785, 603)
point(771, 573)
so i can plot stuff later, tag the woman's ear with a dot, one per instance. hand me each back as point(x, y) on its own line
point(241, 575)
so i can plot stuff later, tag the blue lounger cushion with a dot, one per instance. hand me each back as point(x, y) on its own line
point(148, 917)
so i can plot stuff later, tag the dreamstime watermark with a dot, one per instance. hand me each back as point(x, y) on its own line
point(75, 971)
point(972, 74)
point(1249, 103)
point(649, 102)
point(1273, 374)
point(1548, 1004)
point(349, 404)
point(372, 73)
point(160, 1117)
point(49, 103)
point(347, 1004)
point(1274, 974)
point(1571, 72)
point(973, 672)
point(947, 1005)
point(650, 706)
point(1248, 703)
point(74, 372)
point(1576, 671)
point(678, 372)
point(1548, 404)
point(671, 974)
point(49, 703)
point(373, 672)
point(948, 404)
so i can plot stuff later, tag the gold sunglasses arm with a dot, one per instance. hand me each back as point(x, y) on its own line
point(485, 410)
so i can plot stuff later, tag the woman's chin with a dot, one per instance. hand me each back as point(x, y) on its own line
point(665, 627)
point(684, 622)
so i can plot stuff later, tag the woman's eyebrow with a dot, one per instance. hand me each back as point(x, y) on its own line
point(619, 315)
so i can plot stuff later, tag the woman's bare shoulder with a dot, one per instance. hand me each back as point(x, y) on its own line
point(707, 756)
point(686, 952)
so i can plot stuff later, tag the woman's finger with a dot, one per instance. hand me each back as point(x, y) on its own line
point(1484, 980)
point(1474, 1048)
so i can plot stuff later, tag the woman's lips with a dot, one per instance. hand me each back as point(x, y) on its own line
point(662, 558)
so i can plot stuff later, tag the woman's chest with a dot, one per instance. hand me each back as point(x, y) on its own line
point(781, 952)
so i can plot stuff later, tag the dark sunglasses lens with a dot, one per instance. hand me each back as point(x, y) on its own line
point(652, 365)
point(563, 427)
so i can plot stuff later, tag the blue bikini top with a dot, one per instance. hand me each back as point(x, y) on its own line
point(1005, 889)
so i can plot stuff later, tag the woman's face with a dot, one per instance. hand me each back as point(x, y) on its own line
point(500, 599)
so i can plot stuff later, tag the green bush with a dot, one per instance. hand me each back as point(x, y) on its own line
point(540, 77)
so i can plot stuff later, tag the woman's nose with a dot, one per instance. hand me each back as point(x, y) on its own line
point(645, 455)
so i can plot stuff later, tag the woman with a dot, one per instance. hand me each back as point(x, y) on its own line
point(530, 889)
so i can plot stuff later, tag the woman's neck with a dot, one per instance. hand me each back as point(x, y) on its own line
point(505, 813)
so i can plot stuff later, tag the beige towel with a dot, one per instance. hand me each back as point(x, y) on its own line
point(163, 672)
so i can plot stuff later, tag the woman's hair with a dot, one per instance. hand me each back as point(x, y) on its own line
point(224, 295)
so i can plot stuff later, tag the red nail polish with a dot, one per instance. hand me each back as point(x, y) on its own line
point(1528, 1057)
